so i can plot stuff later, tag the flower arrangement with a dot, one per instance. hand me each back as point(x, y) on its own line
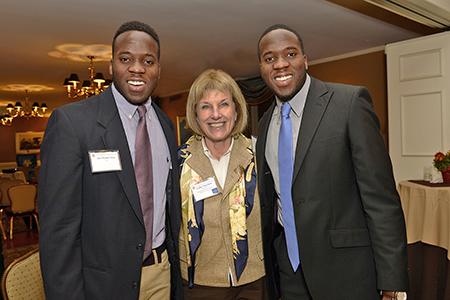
point(442, 161)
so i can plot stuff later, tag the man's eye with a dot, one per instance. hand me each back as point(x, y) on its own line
point(291, 54)
point(148, 62)
point(269, 59)
point(124, 59)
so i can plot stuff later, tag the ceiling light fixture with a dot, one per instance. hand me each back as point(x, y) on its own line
point(26, 111)
point(95, 85)
point(82, 53)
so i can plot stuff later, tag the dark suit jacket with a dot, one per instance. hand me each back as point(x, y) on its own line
point(349, 220)
point(92, 230)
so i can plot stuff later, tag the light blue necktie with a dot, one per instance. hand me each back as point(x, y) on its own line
point(286, 169)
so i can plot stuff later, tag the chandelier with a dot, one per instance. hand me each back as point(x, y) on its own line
point(95, 85)
point(19, 111)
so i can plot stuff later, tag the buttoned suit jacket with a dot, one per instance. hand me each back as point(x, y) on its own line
point(348, 216)
point(92, 230)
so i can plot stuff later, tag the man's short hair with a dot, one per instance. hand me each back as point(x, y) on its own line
point(137, 26)
point(285, 27)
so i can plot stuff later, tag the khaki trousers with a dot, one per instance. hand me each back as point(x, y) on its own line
point(155, 279)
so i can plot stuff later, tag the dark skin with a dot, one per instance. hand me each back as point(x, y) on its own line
point(283, 65)
point(135, 66)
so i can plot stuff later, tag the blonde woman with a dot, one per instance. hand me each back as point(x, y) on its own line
point(220, 239)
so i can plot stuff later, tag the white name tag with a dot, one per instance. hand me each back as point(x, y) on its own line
point(205, 189)
point(105, 161)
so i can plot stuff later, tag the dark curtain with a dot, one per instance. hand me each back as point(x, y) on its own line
point(255, 90)
point(429, 272)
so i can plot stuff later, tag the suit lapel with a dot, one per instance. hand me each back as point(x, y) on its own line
point(114, 138)
point(262, 135)
point(315, 106)
point(168, 132)
point(238, 162)
point(202, 165)
point(200, 162)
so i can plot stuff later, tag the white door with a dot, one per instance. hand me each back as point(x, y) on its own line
point(418, 74)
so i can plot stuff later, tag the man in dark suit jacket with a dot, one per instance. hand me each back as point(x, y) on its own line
point(93, 235)
point(349, 222)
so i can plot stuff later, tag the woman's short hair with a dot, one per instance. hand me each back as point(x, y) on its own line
point(219, 80)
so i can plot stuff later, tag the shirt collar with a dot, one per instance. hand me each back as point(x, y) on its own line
point(298, 101)
point(208, 153)
point(126, 107)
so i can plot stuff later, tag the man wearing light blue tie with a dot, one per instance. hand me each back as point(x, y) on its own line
point(332, 222)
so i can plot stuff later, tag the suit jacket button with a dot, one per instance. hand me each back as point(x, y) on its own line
point(135, 286)
point(140, 247)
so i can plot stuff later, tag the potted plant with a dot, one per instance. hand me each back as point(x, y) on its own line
point(442, 162)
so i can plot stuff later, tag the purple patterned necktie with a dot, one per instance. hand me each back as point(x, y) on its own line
point(144, 176)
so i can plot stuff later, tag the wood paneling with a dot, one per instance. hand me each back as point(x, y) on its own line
point(7, 135)
point(367, 70)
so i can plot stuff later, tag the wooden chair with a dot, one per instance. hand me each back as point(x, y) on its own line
point(35, 179)
point(23, 204)
point(26, 171)
point(4, 179)
point(4, 200)
point(23, 279)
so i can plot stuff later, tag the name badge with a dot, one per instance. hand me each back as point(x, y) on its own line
point(205, 189)
point(105, 161)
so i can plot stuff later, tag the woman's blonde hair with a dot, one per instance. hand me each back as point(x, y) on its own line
point(219, 80)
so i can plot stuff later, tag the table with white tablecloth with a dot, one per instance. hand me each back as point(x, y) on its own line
point(14, 175)
point(426, 207)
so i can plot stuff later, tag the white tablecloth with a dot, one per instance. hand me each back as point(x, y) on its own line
point(17, 175)
point(427, 213)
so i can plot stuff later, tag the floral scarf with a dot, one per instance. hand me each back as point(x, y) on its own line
point(241, 199)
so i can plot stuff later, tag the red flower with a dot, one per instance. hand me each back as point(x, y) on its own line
point(442, 161)
point(439, 156)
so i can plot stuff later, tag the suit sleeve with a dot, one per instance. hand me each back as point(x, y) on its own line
point(378, 193)
point(60, 209)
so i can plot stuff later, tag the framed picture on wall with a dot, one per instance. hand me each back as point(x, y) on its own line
point(28, 142)
point(183, 132)
point(29, 161)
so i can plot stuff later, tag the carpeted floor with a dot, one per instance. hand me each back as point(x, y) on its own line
point(10, 255)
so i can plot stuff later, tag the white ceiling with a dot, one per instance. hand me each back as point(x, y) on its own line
point(195, 35)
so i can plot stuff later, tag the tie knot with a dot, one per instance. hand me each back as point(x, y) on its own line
point(285, 109)
point(142, 110)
